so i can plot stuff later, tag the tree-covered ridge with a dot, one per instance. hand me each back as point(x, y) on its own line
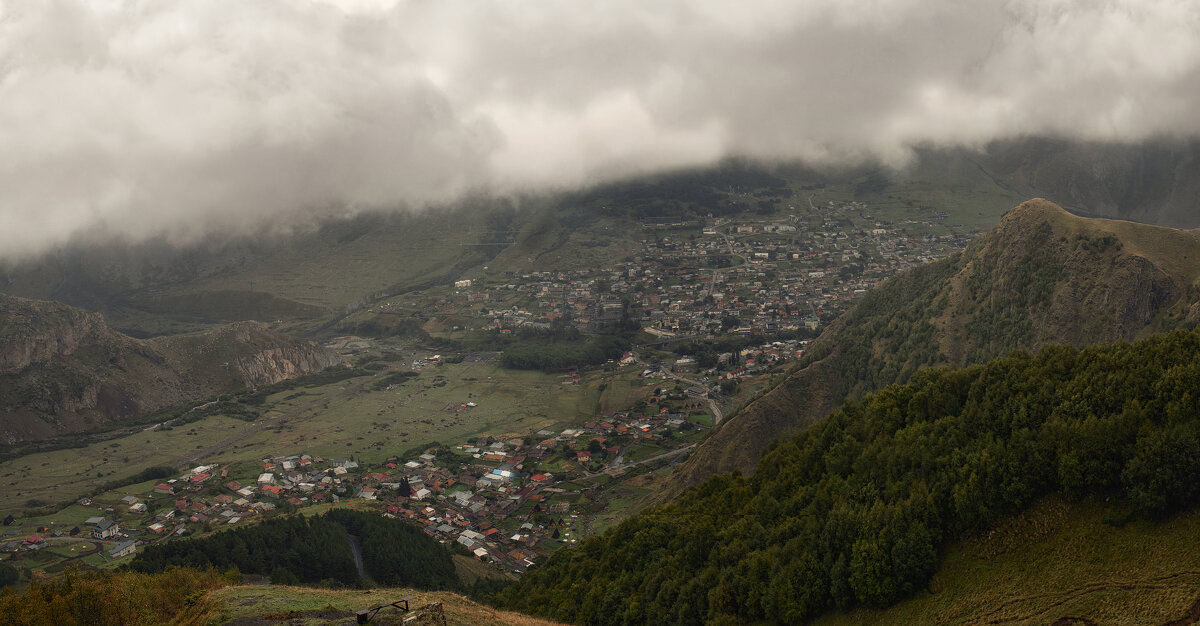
point(855, 509)
point(298, 549)
point(1042, 276)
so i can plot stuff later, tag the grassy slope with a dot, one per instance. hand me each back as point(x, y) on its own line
point(322, 606)
point(1058, 561)
point(1176, 252)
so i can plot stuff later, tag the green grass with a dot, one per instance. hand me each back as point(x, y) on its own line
point(622, 500)
point(72, 549)
point(1058, 561)
point(623, 391)
point(63, 475)
point(344, 419)
point(642, 451)
point(96, 560)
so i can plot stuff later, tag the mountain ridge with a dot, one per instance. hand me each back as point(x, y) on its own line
point(1042, 275)
point(860, 509)
point(64, 370)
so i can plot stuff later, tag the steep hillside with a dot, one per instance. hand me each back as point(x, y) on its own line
point(1041, 276)
point(860, 509)
point(1059, 563)
point(63, 370)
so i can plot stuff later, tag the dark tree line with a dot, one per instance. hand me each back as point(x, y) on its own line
point(854, 510)
point(396, 553)
point(298, 549)
point(557, 356)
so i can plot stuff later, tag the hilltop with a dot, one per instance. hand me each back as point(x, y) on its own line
point(63, 370)
point(269, 604)
point(1041, 276)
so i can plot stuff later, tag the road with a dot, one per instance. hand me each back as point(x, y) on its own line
point(649, 459)
point(697, 389)
point(716, 278)
point(358, 560)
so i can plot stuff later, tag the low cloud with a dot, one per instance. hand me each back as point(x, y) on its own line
point(177, 119)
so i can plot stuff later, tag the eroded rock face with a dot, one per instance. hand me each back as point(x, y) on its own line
point(63, 370)
point(33, 332)
point(274, 365)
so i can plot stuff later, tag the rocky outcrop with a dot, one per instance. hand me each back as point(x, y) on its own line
point(63, 370)
point(274, 365)
point(33, 332)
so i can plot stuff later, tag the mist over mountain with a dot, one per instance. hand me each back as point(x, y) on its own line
point(1154, 182)
point(579, 259)
point(135, 121)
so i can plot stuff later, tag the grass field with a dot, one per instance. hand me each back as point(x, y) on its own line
point(621, 500)
point(348, 418)
point(63, 475)
point(352, 419)
point(1059, 561)
point(300, 605)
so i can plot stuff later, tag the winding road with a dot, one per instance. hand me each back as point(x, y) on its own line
point(696, 389)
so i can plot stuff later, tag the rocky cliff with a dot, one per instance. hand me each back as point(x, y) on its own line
point(1041, 276)
point(37, 332)
point(63, 370)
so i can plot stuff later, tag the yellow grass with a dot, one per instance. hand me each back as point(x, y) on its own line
point(339, 606)
point(1176, 251)
point(1059, 561)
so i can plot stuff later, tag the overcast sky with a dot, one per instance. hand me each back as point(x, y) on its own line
point(178, 117)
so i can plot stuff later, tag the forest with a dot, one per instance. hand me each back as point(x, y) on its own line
point(314, 550)
point(856, 509)
point(562, 355)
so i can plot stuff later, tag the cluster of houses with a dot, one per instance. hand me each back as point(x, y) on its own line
point(769, 276)
point(117, 544)
point(487, 495)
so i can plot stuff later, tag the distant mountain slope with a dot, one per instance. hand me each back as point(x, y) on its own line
point(310, 280)
point(305, 277)
point(1153, 182)
point(1041, 276)
point(295, 280)
point(63, 370)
